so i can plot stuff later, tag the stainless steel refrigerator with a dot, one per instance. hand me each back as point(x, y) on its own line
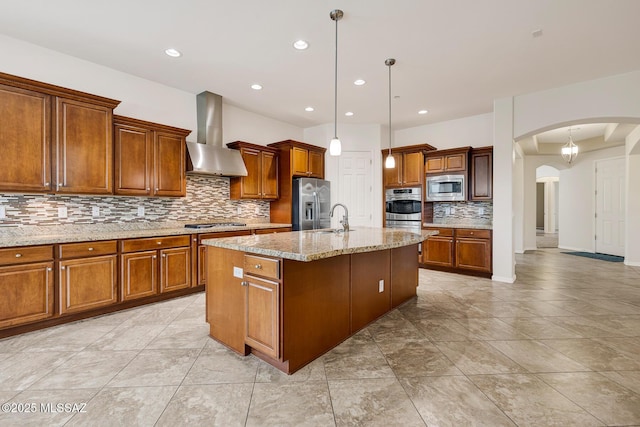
point(311, 204)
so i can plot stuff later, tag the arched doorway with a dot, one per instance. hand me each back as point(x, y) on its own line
point(547, 206)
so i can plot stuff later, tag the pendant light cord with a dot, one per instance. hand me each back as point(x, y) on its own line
point(335, 92)
point(389, 108)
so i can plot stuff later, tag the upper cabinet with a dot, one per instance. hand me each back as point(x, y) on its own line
point(445, 161)
point(149, 158)
point(262, 168)
point(409, 169)
point(301, 159)
point(481, 182)
point(54, 139)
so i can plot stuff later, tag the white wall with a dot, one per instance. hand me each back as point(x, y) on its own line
point(632, 240)
point(474, 131)
point(141, 99)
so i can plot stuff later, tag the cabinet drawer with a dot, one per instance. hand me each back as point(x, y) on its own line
point(26, 254)
point(219, 234)
point(442, 232)
point(477, 234)
point(271, 230)
point(85, 249)
point(265, 267)
point(154, 243)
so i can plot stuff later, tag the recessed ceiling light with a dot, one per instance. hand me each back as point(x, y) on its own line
point(174, 53)
point(256, 86)
point(300, 44)
point(308, 109)
point(423, 111)
point(359, 82)
point(349, 113)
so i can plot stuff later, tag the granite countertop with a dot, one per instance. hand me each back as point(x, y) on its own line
point(312, 245)
point(42, 235)
point(471, 225)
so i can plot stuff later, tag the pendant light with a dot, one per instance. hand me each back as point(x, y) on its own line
point(390, 161)
point(570, 150)
point(335, 147)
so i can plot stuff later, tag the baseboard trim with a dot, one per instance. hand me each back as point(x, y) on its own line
point(503, 279)
point(632, 263)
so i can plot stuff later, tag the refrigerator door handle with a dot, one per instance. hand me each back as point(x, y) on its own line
point(316, 208)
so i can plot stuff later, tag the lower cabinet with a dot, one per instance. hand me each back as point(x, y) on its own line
point(461, 250)
point(154, 265)
point(88, 276)
point(370, 287)
point(26, 285)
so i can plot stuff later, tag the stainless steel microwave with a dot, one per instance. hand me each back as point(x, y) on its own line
point(446, 188)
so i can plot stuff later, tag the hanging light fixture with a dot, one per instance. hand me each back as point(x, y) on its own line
point(335, 147)
point(569, 150)
point(390, 161)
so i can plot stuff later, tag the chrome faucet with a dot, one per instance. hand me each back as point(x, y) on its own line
point(345, 218)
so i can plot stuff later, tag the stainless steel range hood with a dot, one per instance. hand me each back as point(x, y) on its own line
point(208, 156)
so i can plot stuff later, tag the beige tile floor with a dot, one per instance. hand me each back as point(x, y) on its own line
point(561, 347)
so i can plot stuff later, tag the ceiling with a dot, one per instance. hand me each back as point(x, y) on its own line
point(453, 57)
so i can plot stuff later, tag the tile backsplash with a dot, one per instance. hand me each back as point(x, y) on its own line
point(207, 198)
point(481, 212)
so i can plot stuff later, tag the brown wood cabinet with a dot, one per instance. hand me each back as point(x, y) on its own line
point(445, 161)
point(26, 285)
point(409, 170)
point(88, 276)
point(461, 250)
point(55, 139)
point(154, 265)
point(481, 174)
point(296, 159)
point(149, 158)
point(262, 168)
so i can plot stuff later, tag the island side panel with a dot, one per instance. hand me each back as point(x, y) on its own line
point(225, 298)
point(315, 308)
point(404, 274)
point(370, 299)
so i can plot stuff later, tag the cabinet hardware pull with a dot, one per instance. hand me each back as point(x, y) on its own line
point(244, 283)
point(157, 188)
point(154, 257)
point(46, 184)
point(90, 249)
point(148, 188)
point(63, 268)
point(164, 255)
point(18, 255)
point(159, 243)
point(258, 266)
point(49, 268)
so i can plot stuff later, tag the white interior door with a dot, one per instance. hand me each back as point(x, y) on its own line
point(610, 206)
point(356, 186)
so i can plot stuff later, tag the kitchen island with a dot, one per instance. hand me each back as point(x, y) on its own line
point(290, 297)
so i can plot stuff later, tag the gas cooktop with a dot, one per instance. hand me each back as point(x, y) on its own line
point(216, 224)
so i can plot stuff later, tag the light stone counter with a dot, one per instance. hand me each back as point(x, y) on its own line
point(313, 245)
point(34, 235)
point(471, 225)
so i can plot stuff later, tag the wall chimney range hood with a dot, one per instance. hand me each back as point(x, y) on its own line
point(208, 156)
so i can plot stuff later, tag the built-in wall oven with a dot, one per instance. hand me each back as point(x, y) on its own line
point(403, 208)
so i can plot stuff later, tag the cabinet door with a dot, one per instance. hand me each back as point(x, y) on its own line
point(26, 293)
point(262, 312)
point(438, 251)
point(455, 162)
point(393, 176)
point(300, 161)
point(473, 254)
point(175, 272)
point(25, 138)
point(412, 168)
point(169, 165)
point(88, 283)
point(84, 148)
point(316, 164)
point(434, 164)
point(138, 275)
point(269, 175)
point(133, 160)
point(250, 185)
point(481, 176)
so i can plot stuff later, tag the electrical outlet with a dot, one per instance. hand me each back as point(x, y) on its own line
point(237, 272)
point(95, 211)
point(62, 211)
point(447, 210)
point(481, 211)
point(239, 210)
point(453, 210)
point(381, 286)
point(140, 210)
point(257, 210)
point(3, 212)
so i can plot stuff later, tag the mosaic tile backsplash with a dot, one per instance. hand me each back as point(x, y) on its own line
point(456, 212)
point(207, 198)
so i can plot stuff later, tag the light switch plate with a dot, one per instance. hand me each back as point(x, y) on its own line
point(62, 211)
point(140, 210)
point(381, 286)
point(239, 210)
point(257, 211)
point(3, 212)
point(481, 211)
point(95, 211)
point(237, 272)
